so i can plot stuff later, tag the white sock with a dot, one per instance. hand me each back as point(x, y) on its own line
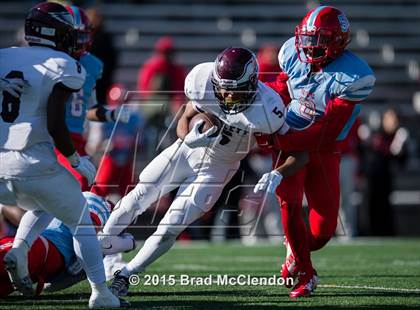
point(99, 288)
point(30, 227)
point(154, 247)
point(87, 249)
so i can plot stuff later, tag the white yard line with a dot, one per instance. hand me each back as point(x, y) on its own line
point(376, 288)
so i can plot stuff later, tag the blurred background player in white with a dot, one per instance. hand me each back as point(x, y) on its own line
point(30, 126)
point(201, 164)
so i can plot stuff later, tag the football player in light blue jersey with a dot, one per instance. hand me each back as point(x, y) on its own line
point(52, 259)
point(325, 84)
point(83, 104)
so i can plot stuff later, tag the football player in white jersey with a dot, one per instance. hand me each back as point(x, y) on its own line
point(30, 125)
point(201, 164)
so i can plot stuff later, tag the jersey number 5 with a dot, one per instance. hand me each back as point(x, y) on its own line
point(10, 105)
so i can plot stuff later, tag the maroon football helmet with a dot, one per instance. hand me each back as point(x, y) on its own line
point(235, 79)
point(322, 35)
point(50, 24)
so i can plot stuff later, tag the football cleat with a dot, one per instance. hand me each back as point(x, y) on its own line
point(17, 268)
point(289, 269)
point(120, 284)
point(307, 283)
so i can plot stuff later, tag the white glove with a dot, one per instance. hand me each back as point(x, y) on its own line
point(14, 87)
point(84, 166)
point(196, 139)
point(120, 114)
point(268, 182)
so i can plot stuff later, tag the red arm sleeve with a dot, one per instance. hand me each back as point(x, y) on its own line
point(280, 86)
point(321, 136)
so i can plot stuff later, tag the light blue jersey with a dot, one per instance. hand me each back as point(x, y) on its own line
point(60, 235)
point(82, 101)
point(348, 77)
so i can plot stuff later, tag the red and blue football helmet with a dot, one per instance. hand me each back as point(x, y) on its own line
point(323, 35)
point(83, 28)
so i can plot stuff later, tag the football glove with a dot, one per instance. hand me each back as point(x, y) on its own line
point(14, 87)
point(268, 182)
point(84, 166)
point(196, 139)
point(120, 114)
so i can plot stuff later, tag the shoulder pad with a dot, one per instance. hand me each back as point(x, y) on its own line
point(285, 53)
point(69, 72)
point(196, 82)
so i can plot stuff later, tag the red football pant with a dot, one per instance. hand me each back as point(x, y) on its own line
point(319, 180)
point(79, 143)
point(112, 177)
point(44, 261)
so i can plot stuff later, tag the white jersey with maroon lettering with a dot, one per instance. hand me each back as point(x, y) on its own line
point(264, 115)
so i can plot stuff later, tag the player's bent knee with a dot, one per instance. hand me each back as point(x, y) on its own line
point(318, 242)
point(142, 196)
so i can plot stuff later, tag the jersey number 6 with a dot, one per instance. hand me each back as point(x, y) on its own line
point(10, 105)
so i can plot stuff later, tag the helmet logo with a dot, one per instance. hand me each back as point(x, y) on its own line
point(63, 17)
point(308, 28)
point(47, 31)
point(224, 83)
point(344, 23)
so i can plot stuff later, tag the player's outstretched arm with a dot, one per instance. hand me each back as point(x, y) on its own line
point(184, 121)
point(271, 180)
point(99, 113)
point(293, 163)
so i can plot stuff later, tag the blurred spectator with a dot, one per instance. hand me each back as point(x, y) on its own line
point(103, 48)
point(161, 86)
point(161, 73)
point(348, 172)
point(386, 152)
point(268, 63)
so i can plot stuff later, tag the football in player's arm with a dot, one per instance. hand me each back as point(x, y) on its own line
point(269, 181)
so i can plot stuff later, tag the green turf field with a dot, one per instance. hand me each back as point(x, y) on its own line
point(367, 273)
